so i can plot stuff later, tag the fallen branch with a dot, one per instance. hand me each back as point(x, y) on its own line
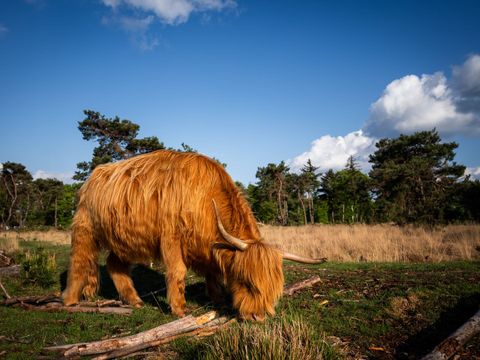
point(34, 300)
point(53, 303)
point(448, 347)
point(162, 334)
point(58, 307)
point(293, 288)
point(4, 291)
point(12, 270)
point(205, 330)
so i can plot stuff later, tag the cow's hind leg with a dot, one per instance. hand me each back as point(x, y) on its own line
point(83, 270)
point(120, 273)
point(175, 274)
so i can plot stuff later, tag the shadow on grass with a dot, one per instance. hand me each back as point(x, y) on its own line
point(450, 320)
point(150, 285)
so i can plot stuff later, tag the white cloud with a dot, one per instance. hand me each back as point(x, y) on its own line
point(474, 172)
point(135, 24)
point(415, 103)
point(329, 152)
point(172, 12)
point(137, 28)
point(136, 17)
point(409, 104)
point(64, 177)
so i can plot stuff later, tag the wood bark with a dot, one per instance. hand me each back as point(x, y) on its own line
point(116, 347)
point(448, 347)
point(12, 270)
point(53, 303)
point(293, 288)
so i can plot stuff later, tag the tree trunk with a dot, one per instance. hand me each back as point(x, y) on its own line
point(56, 197)
point(311, 209)
point(13, 195)
point(448, 347)
point(300, 198)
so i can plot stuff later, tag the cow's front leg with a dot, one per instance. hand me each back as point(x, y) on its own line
point(175, 276)
point(215, 289)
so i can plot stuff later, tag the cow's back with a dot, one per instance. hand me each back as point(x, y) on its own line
point(136, 204)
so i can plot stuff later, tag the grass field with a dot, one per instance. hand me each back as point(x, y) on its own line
point(384, 243)
point(359, 310)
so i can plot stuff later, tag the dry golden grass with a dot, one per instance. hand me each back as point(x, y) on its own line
point(54, 236)
point(340, 242)
point(378, 242)
point(8, 244)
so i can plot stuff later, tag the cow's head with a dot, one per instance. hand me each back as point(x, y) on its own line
point(254, 274)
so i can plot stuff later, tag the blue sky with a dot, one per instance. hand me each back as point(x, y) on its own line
point(248, 82)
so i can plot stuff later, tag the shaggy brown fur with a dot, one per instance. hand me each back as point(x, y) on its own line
point(159, 206)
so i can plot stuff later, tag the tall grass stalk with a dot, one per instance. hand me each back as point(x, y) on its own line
point(287, 339)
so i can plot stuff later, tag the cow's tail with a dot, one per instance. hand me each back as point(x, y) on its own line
point(83, 270)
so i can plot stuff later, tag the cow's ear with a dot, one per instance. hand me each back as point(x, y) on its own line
point(223, 246)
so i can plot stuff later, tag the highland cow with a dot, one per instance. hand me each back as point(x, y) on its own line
point(185, 210)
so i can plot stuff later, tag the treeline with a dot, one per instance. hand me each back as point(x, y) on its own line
point(413, 179)
point(28, 203)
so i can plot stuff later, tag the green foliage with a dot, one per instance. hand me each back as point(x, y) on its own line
point(117, 140)
point(272, 188)
point(39, 267)
point(34, 203)
point(46, 194)
point(67, 204)
point(412, 176)
point(321, 211)
point(281, 197)
point(347, 193)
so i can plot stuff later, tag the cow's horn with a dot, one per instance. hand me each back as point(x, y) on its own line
point(232, 240)
point(301, 259)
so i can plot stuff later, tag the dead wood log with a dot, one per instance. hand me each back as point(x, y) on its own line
point(116, 347)
point(53, 303)
point(34, 300)
point(12, 270)
point(448, 347)
point(205, 330)
point(293, 288)
point(58, 307)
